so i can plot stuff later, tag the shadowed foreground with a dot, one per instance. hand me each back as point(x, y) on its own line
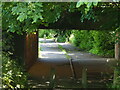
point(52, 58)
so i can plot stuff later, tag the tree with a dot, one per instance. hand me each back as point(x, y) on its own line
point(27, 17)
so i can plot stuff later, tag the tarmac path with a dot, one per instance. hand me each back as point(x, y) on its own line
point(52, 57)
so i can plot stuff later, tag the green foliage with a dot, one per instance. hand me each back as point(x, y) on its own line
point(48, 33)
point(43, 32)
point(86, 9)
point(13, 75)
point(54, 12)
point(96, 42)
point(61, 38)
point(28, 10)
point(60, 35)
point(64, 50)
point(26, 17)
point(0, 15)
point(7, 42)
point(88, 4)
point(103, 43)
point(63, 35)
point(116, 79)
point(82, 39)
point(117, 35)
point(20, 17)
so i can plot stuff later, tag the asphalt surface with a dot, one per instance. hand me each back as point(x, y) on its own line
point(50, 56)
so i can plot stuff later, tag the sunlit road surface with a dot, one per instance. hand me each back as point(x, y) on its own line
point(49, 52)
point(50, 56)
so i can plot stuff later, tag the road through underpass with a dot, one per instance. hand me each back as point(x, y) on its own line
point(51, 56)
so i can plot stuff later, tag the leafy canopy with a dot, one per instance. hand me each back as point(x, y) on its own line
point(22, 17)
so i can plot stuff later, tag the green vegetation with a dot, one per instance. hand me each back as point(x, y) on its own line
point(28, 17)
point(116, 80)
point(63, 50)
point(21, 18)
point(59, 35)
point(96, 42)
point(13, 75)
point(46, 33)
point(116, 83)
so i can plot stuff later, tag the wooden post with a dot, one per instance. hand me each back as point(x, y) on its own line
point(52, 78)
point(84, 77)
point(117, 48)
point(117, 51)
point(117, 57)
point(72, 69)
point(116, 75)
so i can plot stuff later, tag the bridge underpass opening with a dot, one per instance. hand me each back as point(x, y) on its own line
point(89, 38)
point(54, 53)
point(50, 41)
point(52, 58)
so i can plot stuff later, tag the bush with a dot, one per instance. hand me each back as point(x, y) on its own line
point(61, 38)
point(96, 42)
point(116, 78)
point(13, 75)
point(47, 32)
point(117, 84)
point(42, 33)
point(103, 43)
